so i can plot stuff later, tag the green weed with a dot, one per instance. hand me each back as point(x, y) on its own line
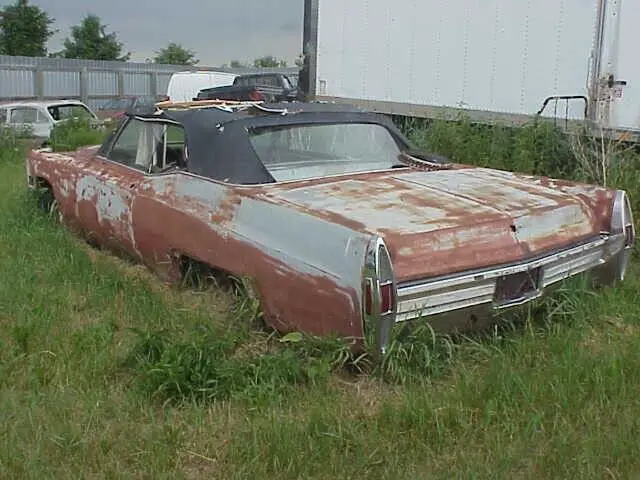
point(74, 133)
point(208, 364)
point(12, 146)
point(537, 148)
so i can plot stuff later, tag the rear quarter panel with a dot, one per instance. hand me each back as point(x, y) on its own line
point(307, 271)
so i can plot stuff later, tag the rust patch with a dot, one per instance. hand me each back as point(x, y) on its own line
point(290, 300)
point(227, 209)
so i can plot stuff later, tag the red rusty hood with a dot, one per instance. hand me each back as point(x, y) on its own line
point(446, 221)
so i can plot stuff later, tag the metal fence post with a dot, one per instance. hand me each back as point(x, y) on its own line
point(154, 84)
point(38, 83)
point(120, 84)
point(84, 91)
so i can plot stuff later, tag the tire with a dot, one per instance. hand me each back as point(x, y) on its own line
point(49, 205)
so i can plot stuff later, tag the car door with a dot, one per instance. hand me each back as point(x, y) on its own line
point(107, 187)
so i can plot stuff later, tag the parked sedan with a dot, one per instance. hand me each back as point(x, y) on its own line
point(39, 117)
point(340, 225)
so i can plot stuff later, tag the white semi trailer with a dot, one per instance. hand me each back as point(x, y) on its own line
point(498, 60)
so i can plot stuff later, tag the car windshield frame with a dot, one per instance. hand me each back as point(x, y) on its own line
point(298, 152)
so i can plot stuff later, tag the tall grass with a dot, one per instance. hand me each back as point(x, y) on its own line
point(106, 373)
point(538, 148)
point(11, 147)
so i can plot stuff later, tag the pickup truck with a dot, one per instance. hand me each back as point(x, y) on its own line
point(269, 87)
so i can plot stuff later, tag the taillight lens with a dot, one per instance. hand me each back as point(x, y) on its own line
point(387, 298)
point(629, 235)
point(368, 296)
point(379, 301)
point(622, 219)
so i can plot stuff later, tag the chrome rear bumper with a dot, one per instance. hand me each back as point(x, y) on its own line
point(606, 255)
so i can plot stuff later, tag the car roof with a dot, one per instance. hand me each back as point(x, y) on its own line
point(40, 103)
point(218, 138)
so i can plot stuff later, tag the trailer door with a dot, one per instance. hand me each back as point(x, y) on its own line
point(430, 57)
point(625, 83)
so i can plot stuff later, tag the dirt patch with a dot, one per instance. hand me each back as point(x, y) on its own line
point(608, 332)
point(364, 397)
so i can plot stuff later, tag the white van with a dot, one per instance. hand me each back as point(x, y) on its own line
point(184, 86)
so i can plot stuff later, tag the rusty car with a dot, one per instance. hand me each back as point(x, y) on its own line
point(340, 223)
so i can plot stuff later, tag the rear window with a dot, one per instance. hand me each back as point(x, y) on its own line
point(245, 81)
point(259, 81)
point(269, 81)
point(20, 115)
point(299, 152)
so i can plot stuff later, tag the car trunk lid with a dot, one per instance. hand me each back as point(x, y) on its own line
point(447, 221)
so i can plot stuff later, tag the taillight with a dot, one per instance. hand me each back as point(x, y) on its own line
point(629, 235)
point(368, 296)
point(385, 295)
point(256, 96)
point(385, 278)
point(629, 228)
point(379, 294)
point(387, 298)
point(622, 219)
point(622, 225)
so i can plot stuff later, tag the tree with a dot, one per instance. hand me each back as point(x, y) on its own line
point(269, 62)
point(24, 30)
point(236, 64)
point(175, 54)
point(89, 41)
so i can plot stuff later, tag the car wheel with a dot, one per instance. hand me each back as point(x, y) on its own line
point(54, 212)
point(49, 205)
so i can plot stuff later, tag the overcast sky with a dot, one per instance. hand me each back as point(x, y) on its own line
point(218, 30)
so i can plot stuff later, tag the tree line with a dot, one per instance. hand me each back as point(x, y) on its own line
point(25, 30)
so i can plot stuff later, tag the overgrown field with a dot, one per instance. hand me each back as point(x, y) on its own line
point(106, 373)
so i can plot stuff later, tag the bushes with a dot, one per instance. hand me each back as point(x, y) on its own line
point(74, 133)
point(537, 148)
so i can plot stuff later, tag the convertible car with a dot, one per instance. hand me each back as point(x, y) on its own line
point(340, 224)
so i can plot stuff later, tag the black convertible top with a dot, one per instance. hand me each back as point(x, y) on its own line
point(218, 140)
